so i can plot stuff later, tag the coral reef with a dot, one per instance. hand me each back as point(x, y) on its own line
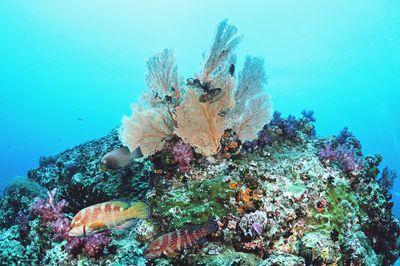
point(84, 185)
point(18, 196)
point(276, 193)
point(276, 202)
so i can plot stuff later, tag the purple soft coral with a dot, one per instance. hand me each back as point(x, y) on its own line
point(327, 154)
point(60, 228)
point(51, 213)
point(75, 245)
point(349, 161)
point(308, 115)
point(345, 157)
point(183, 155)
point(344, 135)
point(276, 119)
point(95, 244)
point(49, 210)
point(288, 126)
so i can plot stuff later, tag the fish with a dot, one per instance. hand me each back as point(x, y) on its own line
point(211, 95)
point(171, 243)
point(232, 70)
point(106, 216)
point(119, 158)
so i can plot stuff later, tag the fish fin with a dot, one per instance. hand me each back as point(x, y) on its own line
point(211, 226)
point(170, 254)
point(124, 149)
point(96, 225)
point(139, 210)
point(125, 225)
point(193, 227)
point(137, 153)
point(202, 240)
point(121, 204)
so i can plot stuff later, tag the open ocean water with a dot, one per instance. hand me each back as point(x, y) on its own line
point(69, 71)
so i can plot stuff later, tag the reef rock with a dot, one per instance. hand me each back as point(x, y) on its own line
point(214, 154)
point(276, 203)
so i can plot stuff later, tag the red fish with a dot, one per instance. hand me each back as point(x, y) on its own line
point(179, 240)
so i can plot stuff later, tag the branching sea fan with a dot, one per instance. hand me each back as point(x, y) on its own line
point(208, 105)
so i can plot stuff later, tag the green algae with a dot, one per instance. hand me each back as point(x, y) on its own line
point(341, 201)
point(197, 203)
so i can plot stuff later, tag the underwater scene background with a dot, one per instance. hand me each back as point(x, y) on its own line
point(69, 72)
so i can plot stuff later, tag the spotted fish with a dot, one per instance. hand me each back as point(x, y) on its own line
point(171, 243)
point(107, 215)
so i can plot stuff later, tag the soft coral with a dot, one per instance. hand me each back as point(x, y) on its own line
point(51, 214)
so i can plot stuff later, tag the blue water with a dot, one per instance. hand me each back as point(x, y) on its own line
point(68, 72)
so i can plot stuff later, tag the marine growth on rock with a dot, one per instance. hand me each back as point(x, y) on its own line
point(228, 182)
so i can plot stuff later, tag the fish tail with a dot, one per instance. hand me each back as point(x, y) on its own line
point(137, 153)
point(211, 227)
point(139, 210)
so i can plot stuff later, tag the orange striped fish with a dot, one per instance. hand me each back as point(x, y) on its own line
point(107, 215)
point(173, 242)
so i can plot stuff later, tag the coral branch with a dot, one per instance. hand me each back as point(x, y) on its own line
point(202, 124)
point(147, 129)
point(221, 50)
point(162, 79)
point(252, 109)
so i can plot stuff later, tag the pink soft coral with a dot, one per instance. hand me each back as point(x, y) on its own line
point(95, 244)
point(183, 155)
point(51, 214)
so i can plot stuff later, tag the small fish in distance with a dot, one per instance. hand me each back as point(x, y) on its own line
point(232, 70)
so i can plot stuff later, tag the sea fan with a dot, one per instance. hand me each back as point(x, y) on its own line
point(254, 116)
point(209, 105)
point(202, 124)
point(147, 129)
point(252, 109)
point(152, 120)
point(162, 79)
point(221, 50)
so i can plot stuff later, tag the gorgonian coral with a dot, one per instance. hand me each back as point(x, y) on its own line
point(225, 41)
point(209, 105)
